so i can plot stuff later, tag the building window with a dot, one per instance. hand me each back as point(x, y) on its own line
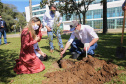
point(37, 8)
point(39, 12)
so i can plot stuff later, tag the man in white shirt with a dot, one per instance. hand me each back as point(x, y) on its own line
point(49, 20)
point(84, 34)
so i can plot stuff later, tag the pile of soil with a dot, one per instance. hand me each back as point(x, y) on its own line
point(90, 70)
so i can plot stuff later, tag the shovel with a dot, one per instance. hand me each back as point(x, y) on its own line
point(86, 45)
point(120, 51)
point(60, 59)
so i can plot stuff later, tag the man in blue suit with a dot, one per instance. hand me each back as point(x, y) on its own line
point(3, 27)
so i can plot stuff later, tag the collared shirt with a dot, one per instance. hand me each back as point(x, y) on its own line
point(86, 34)
point(49, 18)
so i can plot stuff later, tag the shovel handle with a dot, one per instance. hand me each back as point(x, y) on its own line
point(123, 26)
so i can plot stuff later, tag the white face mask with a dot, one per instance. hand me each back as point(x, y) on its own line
point(35, 27)
point(76, 31)
point(0, 18)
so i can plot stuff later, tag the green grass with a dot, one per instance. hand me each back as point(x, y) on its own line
point(9, 33)
point(8, 53)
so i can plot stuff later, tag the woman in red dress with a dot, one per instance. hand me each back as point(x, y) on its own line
point(28, 62)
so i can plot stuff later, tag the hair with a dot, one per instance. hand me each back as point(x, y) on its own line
point(29, 26)
point(52, 5)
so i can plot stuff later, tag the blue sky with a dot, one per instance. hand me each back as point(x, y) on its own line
point(20, 4)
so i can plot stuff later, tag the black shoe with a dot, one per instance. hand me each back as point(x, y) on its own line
point(45, 58)
point(75, 55)
point(41, 58)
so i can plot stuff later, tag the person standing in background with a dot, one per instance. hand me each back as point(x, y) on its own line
point(48, 22)
point(3, 29)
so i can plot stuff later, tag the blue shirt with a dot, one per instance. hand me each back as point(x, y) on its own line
point(2, 23)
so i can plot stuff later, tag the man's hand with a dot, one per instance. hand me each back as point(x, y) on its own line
point(61, 54)
point(58, 24)
point(40, 27)
point(87, 48)
point(48, 28)
point(2, 26)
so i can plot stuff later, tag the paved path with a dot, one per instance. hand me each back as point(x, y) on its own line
point(44, 33)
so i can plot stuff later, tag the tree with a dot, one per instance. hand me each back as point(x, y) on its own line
point(105, 27)
point(20, 22)
point(1, 7)
point(70, 7)
point(12, 17)
point(30, 8)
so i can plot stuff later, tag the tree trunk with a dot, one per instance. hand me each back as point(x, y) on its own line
point(30, 8)
point(105, 17)
point(79, 18)
point(84, 18)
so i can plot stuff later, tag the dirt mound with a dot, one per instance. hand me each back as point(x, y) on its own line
point(87, 71)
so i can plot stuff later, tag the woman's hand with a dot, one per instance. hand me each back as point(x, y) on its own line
point(37, 38)
point(43, 54)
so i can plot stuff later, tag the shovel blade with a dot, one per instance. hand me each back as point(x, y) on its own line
point(120, 52)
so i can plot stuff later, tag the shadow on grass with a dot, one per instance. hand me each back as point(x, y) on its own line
point(46, 47)
point(7, 62)
point(107, 45)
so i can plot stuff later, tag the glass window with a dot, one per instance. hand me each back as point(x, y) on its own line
point(39, 12)
point(37, 8)
point(119, 22)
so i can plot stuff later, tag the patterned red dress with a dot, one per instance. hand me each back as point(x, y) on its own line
point(28, 62)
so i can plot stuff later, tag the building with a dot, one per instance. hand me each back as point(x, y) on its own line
point(94, 16)
point(37, 11)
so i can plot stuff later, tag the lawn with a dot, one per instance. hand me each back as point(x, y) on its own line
point(8, 53)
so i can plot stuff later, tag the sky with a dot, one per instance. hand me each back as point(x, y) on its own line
point(20, 4)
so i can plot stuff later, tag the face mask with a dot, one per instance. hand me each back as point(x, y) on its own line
point(76, 31)
point(35, 27)
point(53, 11)
point(72, 29)
point(0, 18)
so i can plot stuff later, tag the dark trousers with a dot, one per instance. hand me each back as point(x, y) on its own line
point(77, 44)
point(4, 35)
